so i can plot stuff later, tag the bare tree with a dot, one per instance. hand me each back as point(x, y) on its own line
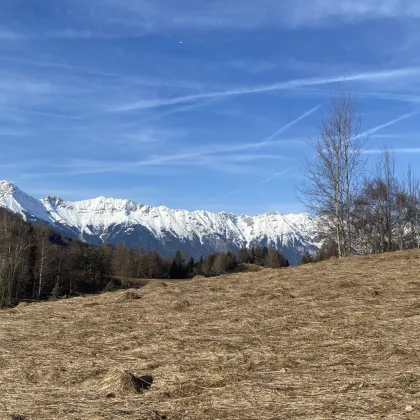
point(413, 207)
point(333, 173)
point(385, 174)
point(387, 210)
point(14, 251)
point(44, 260)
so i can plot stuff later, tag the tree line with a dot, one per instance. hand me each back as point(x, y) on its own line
point(37, 263)
point(360, 211)
point(221, 263)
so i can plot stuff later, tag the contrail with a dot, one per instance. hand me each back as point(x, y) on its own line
point(290, 84)
point(365, 133)
point(389, 123)
point(180, 109)
point(276, 175)
point(260, 182)
point(397, 150)
point(245, 146)
point(287, 126)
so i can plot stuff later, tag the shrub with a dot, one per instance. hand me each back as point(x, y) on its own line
point(109, 287)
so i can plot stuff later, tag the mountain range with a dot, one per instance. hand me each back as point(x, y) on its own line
point(197, 233)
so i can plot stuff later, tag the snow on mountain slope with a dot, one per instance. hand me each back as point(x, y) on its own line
point(107, 220)
point(12, 198)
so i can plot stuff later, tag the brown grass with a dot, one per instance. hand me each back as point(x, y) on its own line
point(130, 294)
point(120, 382)
point(334, 340)
point(247, 268)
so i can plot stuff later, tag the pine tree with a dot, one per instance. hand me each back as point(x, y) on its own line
point(190, 267)
point(199, 267)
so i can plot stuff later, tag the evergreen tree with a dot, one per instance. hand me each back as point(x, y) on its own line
point(199, 267)
point(190, 267)
point(179, 269)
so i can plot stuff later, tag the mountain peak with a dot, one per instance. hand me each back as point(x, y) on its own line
point(7, 187)
point(17, 201)
point(53, 200)
point(107, 204)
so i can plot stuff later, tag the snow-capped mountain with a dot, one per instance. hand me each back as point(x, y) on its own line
point(108, 220)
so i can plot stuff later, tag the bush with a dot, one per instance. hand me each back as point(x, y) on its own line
point(109, 287)
point(307, 258)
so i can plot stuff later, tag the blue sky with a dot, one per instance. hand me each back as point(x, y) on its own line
point(196, 103)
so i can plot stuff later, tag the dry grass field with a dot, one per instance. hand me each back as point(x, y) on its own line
point(335, 340)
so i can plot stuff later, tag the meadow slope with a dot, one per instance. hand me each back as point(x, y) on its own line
point(334, 340)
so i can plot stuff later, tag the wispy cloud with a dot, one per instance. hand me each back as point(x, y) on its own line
point(26, 93)
point(153, 136)
point(180, 109)
point(12, 133)
point(110, 19)
point(26, 85)
point(392, 96)
point(369, 151)
point(119, 19)
point(6, 35)
point(92, 34)
point(253, 67)
point(124, 78)
point(224, 157)
point(402, 136)
point(72, 34)
point(411, 150)
point(40, 113)
point(264, 181)
point(290, 84)
point(171, 158)
point(236, 14)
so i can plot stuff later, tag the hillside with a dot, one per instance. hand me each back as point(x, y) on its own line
point(334, 340)
point(198, 233)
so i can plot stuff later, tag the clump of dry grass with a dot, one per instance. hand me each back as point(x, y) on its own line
point(156, 284)
point(198, 278)
point(334, 340)
point(247, 268)
point(120, 382)
point(130, 294)
point(181, 305)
